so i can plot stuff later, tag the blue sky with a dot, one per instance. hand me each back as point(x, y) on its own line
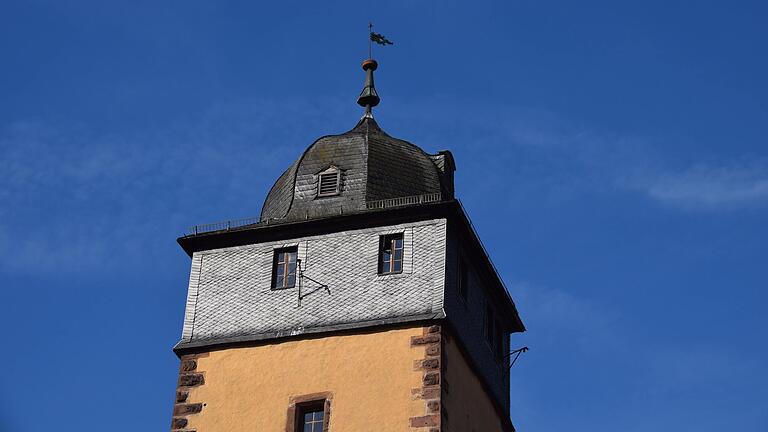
point(612, 156)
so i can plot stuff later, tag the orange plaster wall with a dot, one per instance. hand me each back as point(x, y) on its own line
point(467, 407)
point(370, 376)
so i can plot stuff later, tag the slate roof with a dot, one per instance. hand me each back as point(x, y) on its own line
point(374, 166)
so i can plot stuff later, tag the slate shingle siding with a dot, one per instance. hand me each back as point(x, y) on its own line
point(230, 295)
point(280, 195)
point(467, 319)
point(397, 168)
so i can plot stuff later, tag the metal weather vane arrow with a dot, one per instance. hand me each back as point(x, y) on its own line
point(380, 39)
point(376, 37)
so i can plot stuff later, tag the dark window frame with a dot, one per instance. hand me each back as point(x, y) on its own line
point(300, 405)
point(388, 246)
point(285, 265)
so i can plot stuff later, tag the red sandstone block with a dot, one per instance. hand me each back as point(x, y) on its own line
point(425, 421)
point(181, 396)
point(178, 423)
point(432, 363)
point(433, 349)
point(188, 365)
point(431, 378)
point(184, 409)
point(433, 406)
point(426, 339)
point(191, 380)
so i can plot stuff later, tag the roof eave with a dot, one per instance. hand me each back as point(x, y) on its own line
point(274, 230)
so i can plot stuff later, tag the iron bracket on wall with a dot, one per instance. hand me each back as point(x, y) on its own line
point(302, 276)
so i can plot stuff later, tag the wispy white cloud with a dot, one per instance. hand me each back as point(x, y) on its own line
point(708, 186)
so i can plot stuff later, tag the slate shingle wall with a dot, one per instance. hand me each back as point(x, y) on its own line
point(467, 319)
point(346, 152)
point(397, 168)
point(230, 296)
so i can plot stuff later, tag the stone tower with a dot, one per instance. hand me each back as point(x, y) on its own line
point(361, 300)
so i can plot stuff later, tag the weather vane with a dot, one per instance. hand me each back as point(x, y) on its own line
point(375, 37)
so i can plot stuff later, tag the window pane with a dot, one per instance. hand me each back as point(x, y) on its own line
point(290, 280)
point(280, 270)
point(281, 257)
point(291, 256)
point(313, 420)
point(279, 282)
point(398, 266)
point(398, 243)
point(398, 254)
point(386, 257)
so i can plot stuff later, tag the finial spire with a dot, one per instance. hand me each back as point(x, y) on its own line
point(369, 98)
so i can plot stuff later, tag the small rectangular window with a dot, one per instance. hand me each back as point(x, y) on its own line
point(391, 253)
point(463, 282)
point(311, 417)
point(284, 268)
point(309, 413)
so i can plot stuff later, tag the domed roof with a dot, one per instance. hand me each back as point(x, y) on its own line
point(373, 170)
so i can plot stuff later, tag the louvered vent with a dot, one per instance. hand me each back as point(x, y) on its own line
point(328, 183)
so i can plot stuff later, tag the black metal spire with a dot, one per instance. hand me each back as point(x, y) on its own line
point(369, 98)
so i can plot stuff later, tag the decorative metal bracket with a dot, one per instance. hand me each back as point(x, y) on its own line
point(516, 353)
point(319, 286)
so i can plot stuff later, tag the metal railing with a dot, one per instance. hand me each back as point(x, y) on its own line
point(403, 201)
point(370, 205)
point(222, 226)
